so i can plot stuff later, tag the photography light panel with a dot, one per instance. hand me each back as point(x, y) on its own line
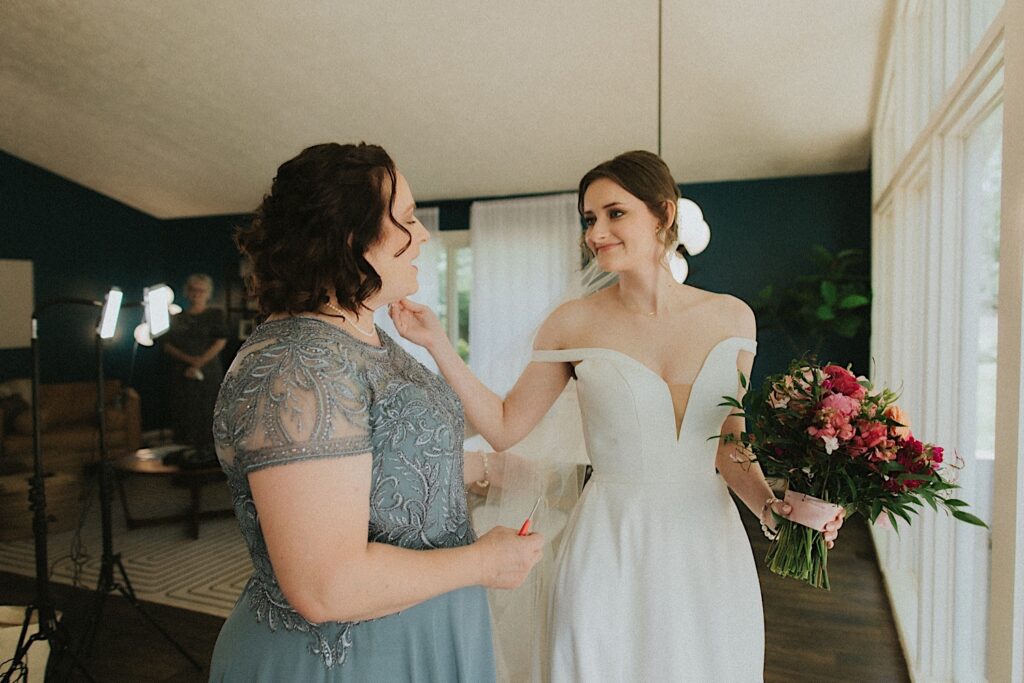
point(156, 301)
point(108, 317)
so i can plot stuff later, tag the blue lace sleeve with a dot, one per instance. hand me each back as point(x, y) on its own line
point(291, 398)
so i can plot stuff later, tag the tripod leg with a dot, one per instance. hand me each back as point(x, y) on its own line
point(129, 595)
point(124, 577)
point(60, 648)
point(102, 589)
point(21, 649)
point(61, 641)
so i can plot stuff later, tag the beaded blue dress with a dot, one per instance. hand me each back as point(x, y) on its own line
point(300, 389)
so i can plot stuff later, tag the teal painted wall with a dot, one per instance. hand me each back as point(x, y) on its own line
point(81, 242)
point(761, 234)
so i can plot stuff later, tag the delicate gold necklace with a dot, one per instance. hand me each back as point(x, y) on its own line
point(345, 318)
point(633, 310)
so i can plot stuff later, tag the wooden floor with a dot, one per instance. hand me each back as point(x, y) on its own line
point(845, 634)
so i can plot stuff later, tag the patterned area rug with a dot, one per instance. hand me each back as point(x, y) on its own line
point(163, 563)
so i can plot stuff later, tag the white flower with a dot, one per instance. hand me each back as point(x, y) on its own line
point(831, 444)
point(693, 233)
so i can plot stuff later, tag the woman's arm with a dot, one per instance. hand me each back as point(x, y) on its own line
point(314, 517)
point(747, 480)
point(177, 354)
point(210, 353)
point(195, 362)
point(502, 422)
point(740, 473)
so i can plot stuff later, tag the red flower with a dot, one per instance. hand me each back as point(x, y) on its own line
point(870, 434)
point(911, 455)
point(842, 380)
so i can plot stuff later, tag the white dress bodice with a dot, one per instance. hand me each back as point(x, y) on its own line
point(654, 579)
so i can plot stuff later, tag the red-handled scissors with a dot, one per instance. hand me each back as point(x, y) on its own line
point(525, 529)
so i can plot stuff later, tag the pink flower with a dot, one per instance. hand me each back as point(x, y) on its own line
point(842, 380)
point(791, 390)
point(825, 432)
point(842, 404)
point(884, 452)
point(870, 434)
point(778, 399)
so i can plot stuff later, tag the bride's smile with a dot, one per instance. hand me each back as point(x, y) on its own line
point(621, 229)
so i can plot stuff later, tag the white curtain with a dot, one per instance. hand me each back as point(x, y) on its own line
point(428, 293)
point(525, 255)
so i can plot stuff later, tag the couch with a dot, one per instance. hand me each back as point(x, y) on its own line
point(70, 435)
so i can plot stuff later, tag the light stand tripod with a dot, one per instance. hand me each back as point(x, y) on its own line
point(109, 559)
point(50, 629)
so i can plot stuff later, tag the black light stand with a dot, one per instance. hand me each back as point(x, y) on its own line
point(50, 630)
point(109, 559)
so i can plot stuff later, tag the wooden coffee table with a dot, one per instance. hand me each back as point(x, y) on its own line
point(147, 462)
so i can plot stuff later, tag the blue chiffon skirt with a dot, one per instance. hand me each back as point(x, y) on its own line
point(443, 640)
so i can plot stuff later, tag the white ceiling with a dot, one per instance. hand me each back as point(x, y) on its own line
point(186, 108)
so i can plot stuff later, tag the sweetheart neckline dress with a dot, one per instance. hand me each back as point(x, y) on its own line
point(655, 579)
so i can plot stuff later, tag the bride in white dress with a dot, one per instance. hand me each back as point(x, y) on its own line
point(654, 579)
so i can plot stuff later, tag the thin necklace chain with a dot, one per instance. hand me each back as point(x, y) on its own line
point(345, 317)
point(618, 293)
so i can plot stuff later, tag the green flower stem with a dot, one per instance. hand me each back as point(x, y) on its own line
point(799, 553)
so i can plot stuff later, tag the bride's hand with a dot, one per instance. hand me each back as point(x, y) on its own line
point(417, 323)
point(830, 530)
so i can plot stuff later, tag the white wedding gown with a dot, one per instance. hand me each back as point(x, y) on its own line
point(655, 579)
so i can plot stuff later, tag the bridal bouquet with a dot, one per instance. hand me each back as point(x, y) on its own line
point(833, 437)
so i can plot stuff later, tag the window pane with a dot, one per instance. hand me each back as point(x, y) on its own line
point(464, 275)
point(442, 287)
point(980, 15)
point(981, 204)
point(981, 173)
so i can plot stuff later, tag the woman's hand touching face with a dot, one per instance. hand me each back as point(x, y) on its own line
point(417, 323)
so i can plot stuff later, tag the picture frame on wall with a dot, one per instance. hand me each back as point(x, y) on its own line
point(16, 303)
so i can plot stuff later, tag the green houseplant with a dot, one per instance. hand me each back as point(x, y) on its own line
point(832, 298)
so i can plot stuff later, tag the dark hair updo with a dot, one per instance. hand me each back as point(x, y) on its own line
point(324, 210)
point(645, 176)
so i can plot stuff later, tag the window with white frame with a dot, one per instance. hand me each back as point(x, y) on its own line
point(937, 151)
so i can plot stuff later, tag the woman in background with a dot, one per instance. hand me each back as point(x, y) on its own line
point(344, 455)
point(194, 342)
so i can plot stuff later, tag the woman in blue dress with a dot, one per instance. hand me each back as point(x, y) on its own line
point(344, 455)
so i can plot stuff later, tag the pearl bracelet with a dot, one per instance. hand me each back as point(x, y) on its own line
point(485, 481)
point(770, 534)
